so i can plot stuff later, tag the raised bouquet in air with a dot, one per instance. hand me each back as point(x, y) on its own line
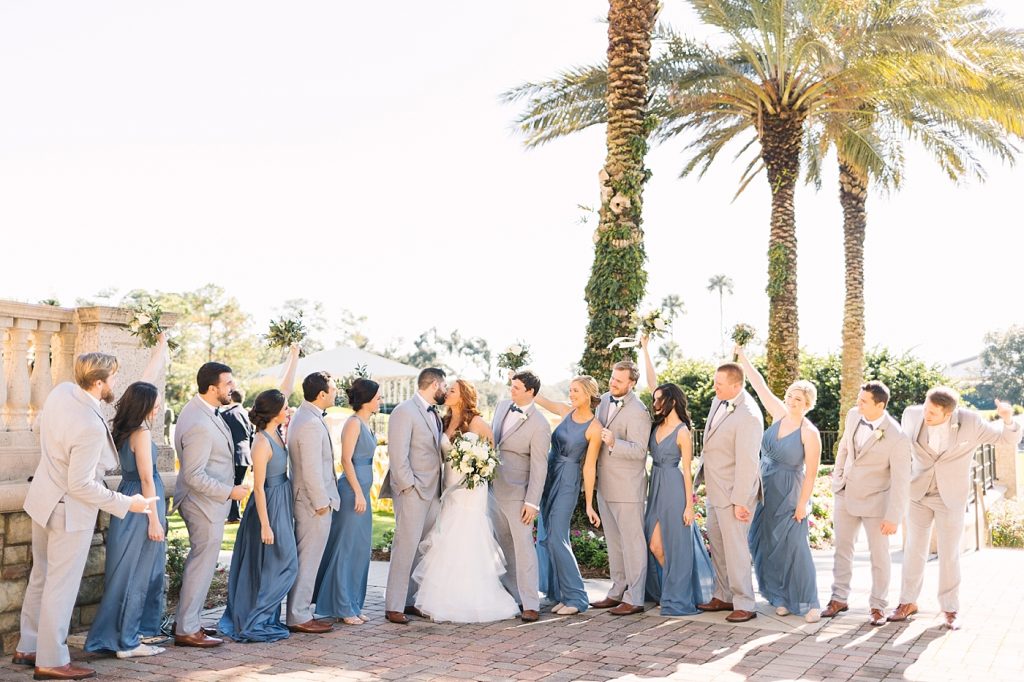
point(654, 323)
point(474, 458)
point(514, 357)
point(742, 334)
point(145, 324)
point(284, 332)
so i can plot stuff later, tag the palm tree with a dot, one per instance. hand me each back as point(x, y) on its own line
point(783, 64)
point(978, 102)
point(617, 277)
point(723, 285)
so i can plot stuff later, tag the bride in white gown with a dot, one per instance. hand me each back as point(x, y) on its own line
point(461, 566)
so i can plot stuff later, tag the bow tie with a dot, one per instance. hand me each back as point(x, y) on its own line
point(432, 408)
point(864, 422)
point(216, 412)
point(324, 413)
point(617, 401)
point(516, 408)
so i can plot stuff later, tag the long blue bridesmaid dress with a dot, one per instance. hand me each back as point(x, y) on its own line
point(341, 581)
point(687, 579)
point(778, 545)
point(261, 575)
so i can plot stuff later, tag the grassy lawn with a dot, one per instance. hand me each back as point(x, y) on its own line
point(382, 521)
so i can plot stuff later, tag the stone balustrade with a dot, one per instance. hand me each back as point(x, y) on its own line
point(38, 345)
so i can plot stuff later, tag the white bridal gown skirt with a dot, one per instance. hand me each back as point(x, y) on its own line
point(460, 573)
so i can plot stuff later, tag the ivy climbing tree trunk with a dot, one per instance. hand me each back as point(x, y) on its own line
point(853, 195)
point(780, 150)
point(617, 277)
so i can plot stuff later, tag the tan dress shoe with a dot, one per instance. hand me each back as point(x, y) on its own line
point(64, 672)
point(740, 616)
point(24, 659)
point(877, 617)
point(396, 617)
point(312, 627)
point(902, 612)
point(413, 611)
point(197, 639)
point(529, 616)
point(834, 608)
point(625, 609)
point(605, 603)
point(715, 604)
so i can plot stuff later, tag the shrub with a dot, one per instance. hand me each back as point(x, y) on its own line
point(1006, 522)
point(386, 540)
point(590, 549)
point(177, 551)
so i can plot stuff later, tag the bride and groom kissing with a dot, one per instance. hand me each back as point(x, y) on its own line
point(447, 563)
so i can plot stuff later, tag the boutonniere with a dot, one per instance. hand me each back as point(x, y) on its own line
point(954, 426)
point(731, 408)
point(879, 434)
point(523, 416)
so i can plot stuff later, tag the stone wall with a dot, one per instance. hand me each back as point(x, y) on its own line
point(31, 366)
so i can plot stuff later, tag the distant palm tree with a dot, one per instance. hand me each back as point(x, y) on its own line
point(723, 285)
point(673, 306)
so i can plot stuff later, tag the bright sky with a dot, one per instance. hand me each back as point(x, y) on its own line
point(357, 153)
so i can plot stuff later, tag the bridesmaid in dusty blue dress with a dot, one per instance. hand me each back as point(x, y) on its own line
point(133, 593)
point(265, 562)
point(790, 454)
point(577, 437)
point(679, 569)
point(341, 581)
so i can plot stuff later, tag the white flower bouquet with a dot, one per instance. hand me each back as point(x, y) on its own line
point(145, 323)
point(514, 357)
point(653, 323)
point(284, 332)
point(474, 458)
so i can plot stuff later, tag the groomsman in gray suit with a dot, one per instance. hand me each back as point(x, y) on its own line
point(944, 438)
point(413, 482)
point(63, 500)
point(205, 487)
point(871, 483)
point(622, 489)
point(311, 454)
point(730, 466)
point(522, 436)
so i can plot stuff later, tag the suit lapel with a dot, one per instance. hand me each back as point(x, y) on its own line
point(518, 422)
point(91, 404)
point(721, 420)
point(430, 420)
point(317, 414)
point(618, 410)
point(602, 409)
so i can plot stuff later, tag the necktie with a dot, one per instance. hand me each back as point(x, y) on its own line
point(433, 409)
point(516, 408)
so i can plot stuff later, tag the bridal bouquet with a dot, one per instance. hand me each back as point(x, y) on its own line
point(514, 357)
point(654, 323)
point(284, 332)
point(742, 334)
point(474, 458)
point(145, 324)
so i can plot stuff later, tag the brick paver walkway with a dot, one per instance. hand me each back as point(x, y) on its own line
point(597, 646)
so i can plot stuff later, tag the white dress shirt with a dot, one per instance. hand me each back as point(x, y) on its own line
point(865, 429)
point(938, 437)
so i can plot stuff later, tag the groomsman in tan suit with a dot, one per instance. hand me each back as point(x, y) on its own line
point(622, 489)
point(944, 439)
point(63, 500)
point(871, 482)
point(204, 489)
point(730, 465)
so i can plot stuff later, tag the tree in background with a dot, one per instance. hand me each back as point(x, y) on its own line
point(723, 285)
point(1002, 365)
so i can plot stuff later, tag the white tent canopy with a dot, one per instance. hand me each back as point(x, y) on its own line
point(396, 379)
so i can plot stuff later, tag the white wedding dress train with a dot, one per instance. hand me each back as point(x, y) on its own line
point(459, 575)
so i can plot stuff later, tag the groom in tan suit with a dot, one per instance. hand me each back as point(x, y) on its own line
point(63, 500)
point(871, 482)
point(944, 438)
point(730, 465)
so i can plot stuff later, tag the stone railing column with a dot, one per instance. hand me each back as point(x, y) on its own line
point(5, 324)
point(18, 391)
point(64, 354)
point(42, 376)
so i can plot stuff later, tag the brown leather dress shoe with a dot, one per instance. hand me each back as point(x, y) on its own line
point(209, 631)
point(625, 609)
point(877, 617)
point(197, 639)
point(834, 608)
point(902, 612)
point(64, 672)
point(529, 616)
point(396, 617)
point(605, 603)
point(952, 622)
point(413, 611)
point(740, 616)
point(312, 627)
point(715, 604)
point(24, 659)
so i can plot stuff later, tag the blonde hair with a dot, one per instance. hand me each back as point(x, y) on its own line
point(629, 366)
point(93, 367)
point(810, 392)
point(589, 386)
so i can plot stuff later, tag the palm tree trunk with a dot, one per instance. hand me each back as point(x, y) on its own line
point(721, 319)
point(853, 195)
point(780, 150)
point(617, 277)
